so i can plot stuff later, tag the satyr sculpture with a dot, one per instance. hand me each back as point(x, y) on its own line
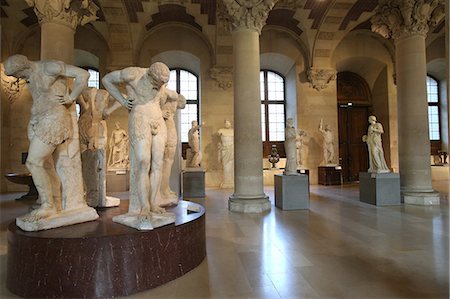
point(93, 137)
point(195, 157)
point(290, 146)
point(50, 129)
point(328, 143)
point(226, 154)
point(167, 196)
point(146, 94)
point(118, 149)
point(300, 144)
point(377, 162)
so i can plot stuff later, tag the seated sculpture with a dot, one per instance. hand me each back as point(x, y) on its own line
point(50, 130)
point(377, 163)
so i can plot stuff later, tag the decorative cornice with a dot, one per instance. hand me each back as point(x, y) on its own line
point(404, 18)
point(250, 14)
point(320, 78)
point(71, 13)
point(223, 76)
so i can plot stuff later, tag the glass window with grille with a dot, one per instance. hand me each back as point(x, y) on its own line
point(94, 78)
point(186, 83)
point(273, 116)
point(433, 108)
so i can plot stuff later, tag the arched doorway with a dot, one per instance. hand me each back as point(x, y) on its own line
point(354, 100)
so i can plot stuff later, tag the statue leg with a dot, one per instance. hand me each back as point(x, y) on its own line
point(159, 141)
point(38, 153)
point(169, 155)
point(141, 167)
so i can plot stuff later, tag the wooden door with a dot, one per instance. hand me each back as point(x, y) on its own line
point(352, 150)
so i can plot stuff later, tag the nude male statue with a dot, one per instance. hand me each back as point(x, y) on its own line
point(50, 124)
point(328, 143)
point(146, 92)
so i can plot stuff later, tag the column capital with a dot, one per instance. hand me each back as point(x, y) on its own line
point(319, 78)
point(250, 14)
point(404, 18)
point(71, 13)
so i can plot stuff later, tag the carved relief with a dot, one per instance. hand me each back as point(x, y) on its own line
point(403, 18)
point(12, 86)
point(251, 14)
point(69, 12)
point(223, 76)
point(320, 78)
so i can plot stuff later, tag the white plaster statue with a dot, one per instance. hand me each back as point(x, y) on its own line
point(290, 146)
point(167, 196)
point(226, 154)
point(146, 93)
point(118, 149)
point(377, 162)
point(300, 144)
point(328, 143)
point(50, 131)
point(194, 158)
point(93, 137)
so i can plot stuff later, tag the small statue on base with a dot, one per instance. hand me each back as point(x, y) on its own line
point(50, 132)
point(377, 162)
point(300, 144)
point(194, 156)
point(226, 154)
point(328, 144)
point(118, 149)
point(290, 146)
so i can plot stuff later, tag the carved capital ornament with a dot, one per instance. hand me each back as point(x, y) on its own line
point(320, 78)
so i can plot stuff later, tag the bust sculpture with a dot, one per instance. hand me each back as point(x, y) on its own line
point(377, 163)
point(290, 146)
point(226, 154)
point(328, 143)
point(194, 144)
point(50, 131)
point(118, 148)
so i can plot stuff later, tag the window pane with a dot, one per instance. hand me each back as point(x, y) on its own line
point(275, 86)
point(263, 122)
point(433, 120)
point(261, 82)
point(93, 79)
point(173, 80)
point(188, 85)
point(432, 90)
point(276, 122)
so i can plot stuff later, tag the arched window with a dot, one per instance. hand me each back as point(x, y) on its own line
point(186, 83)
point(273, 116)
point(94, 80)
point(433, 109)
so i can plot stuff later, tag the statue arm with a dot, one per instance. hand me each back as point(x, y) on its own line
point(107, 112)
point(110, 82)
point(81, 79)
point(83, 103)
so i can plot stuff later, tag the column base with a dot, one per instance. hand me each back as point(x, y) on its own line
point(421, 198)
point(258, 204)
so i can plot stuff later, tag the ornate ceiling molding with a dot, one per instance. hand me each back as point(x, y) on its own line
point(320, 78)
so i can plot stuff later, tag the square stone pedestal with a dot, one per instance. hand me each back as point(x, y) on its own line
point(193, 183)
point(380, 189)
point(330, 175)
point(292, 192)
point(117, 180)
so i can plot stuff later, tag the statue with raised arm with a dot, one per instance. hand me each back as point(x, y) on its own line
point(290, 146)
point(167, 196)
point(93, 137)
point(226, 154)
point(377, 163)
point(49, 131)
point(118, 148)
point(328, 143)
point(146, 94)
point(194, 158)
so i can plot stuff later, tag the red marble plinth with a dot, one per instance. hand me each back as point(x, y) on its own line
point(103, 259)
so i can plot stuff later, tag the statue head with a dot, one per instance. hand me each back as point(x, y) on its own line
point(289, 122)
point(372, 119)
point(117, 124)
point(194, 123)
point(17, 66)
point(227, 124)
point(159, 74)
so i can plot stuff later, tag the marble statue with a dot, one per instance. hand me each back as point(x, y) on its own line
point(50, 132)
point(290, 146)
point(118, 149)
point(167, 197)
point(328, 143)
point(146, 94)
point(226, 154)
point(93, 137)
point(194, 157)
point(300, 144)
point(377, 162)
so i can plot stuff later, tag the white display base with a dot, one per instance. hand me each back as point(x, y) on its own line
point(147, 222)
point(421, 199)
point(63, 218)
point(110, 202)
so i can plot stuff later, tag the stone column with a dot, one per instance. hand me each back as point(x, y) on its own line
point(247, 20)
point(59, 20)
point(407, 23)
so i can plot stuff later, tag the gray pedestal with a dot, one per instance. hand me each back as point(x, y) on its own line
point(193, 183)
point(291, 192)
point(380, 189)
point(117, 180)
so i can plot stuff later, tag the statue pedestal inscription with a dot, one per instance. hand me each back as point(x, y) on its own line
point(292, 192)
point(380, 189)
point(194, 183)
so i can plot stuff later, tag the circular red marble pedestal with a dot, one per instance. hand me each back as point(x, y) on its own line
point(102, 258)
point(24, 179)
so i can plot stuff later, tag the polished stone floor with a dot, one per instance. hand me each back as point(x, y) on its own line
point(340, 248)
